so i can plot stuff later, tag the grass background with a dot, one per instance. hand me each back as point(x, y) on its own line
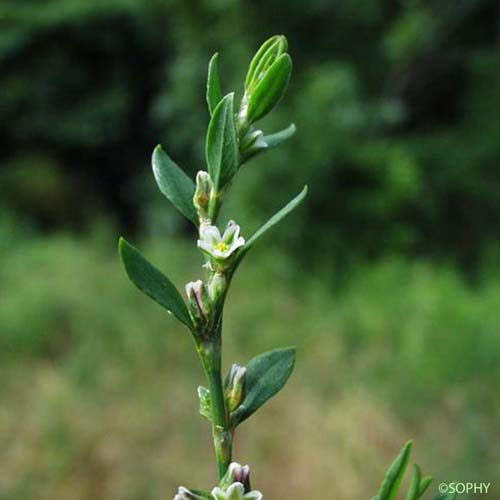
point(99, 384)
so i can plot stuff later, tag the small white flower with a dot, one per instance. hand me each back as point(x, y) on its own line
point(220, 247)
point(236, 492)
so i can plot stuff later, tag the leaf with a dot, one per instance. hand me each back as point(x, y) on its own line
point(394, 475)
point(222, 144)
point(174, 183)
point(269, 91)
point(445, 496)
point(153, 282)
point(424, 485)
point(265, 142)
point(414, 488)
point(194, 494)
point(277, 217)
point(266, 376)
point(273, 140)
point(214, 92)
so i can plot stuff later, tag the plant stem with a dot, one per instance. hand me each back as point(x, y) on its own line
point(210, 354)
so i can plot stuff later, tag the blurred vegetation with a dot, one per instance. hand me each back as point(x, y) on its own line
point(387, 279)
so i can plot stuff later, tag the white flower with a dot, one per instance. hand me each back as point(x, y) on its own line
point(235, 492)
point(220, 247)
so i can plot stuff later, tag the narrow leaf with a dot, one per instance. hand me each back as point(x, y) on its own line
point(446, 496)
point(265, 142)
point(194, 494)
point(153, 282)
point(414, 488)
point(424, 485)
point(270, 89)
point(266, 376)
point(222, 145)
point(390, 485)
point(277, 217)
point(174, 183)
point(214, 92)
point(273, 140)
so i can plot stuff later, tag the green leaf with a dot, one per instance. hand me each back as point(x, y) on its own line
point(277, 217)
point(174, 183)
point(273, 140)
point(269, 91)
point(394, 475)
point(424, 485)
point(195, 494)
point(414, 488)
point(214, 92)
point(446, 496)
point(152, 282)
point(222, 144)
point(266, 375)
point(265, 142)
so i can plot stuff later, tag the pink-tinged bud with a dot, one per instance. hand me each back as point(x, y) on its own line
point(236, 473)
point(235, 388)
point(198, 302)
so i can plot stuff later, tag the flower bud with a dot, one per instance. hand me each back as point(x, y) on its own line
point(198, 302)
point(266, 82)
point(268, 52)
point(236, 473)
point(217, 287)
point(201, 198)
point(235, 388)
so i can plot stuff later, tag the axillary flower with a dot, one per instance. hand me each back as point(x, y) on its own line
point(218, 246)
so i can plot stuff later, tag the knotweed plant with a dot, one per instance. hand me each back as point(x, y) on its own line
point(232, 139)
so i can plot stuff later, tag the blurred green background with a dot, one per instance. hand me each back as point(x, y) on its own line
point(387, 279)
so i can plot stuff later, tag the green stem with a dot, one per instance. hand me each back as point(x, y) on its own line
point(210, 354)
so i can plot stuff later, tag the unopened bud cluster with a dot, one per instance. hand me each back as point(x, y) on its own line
point(266, 81)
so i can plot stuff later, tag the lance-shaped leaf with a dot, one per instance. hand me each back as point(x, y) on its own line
point(192, 494)
point(153, 282)
point(277, 217)
point(262, 142)
point(174, 183)
point(214, 92)
point(266, 375)
point(392, 480)
point(270, 89)
point(222, 144)
point(418, 485)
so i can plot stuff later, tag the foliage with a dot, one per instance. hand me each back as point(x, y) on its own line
point(395, 103)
